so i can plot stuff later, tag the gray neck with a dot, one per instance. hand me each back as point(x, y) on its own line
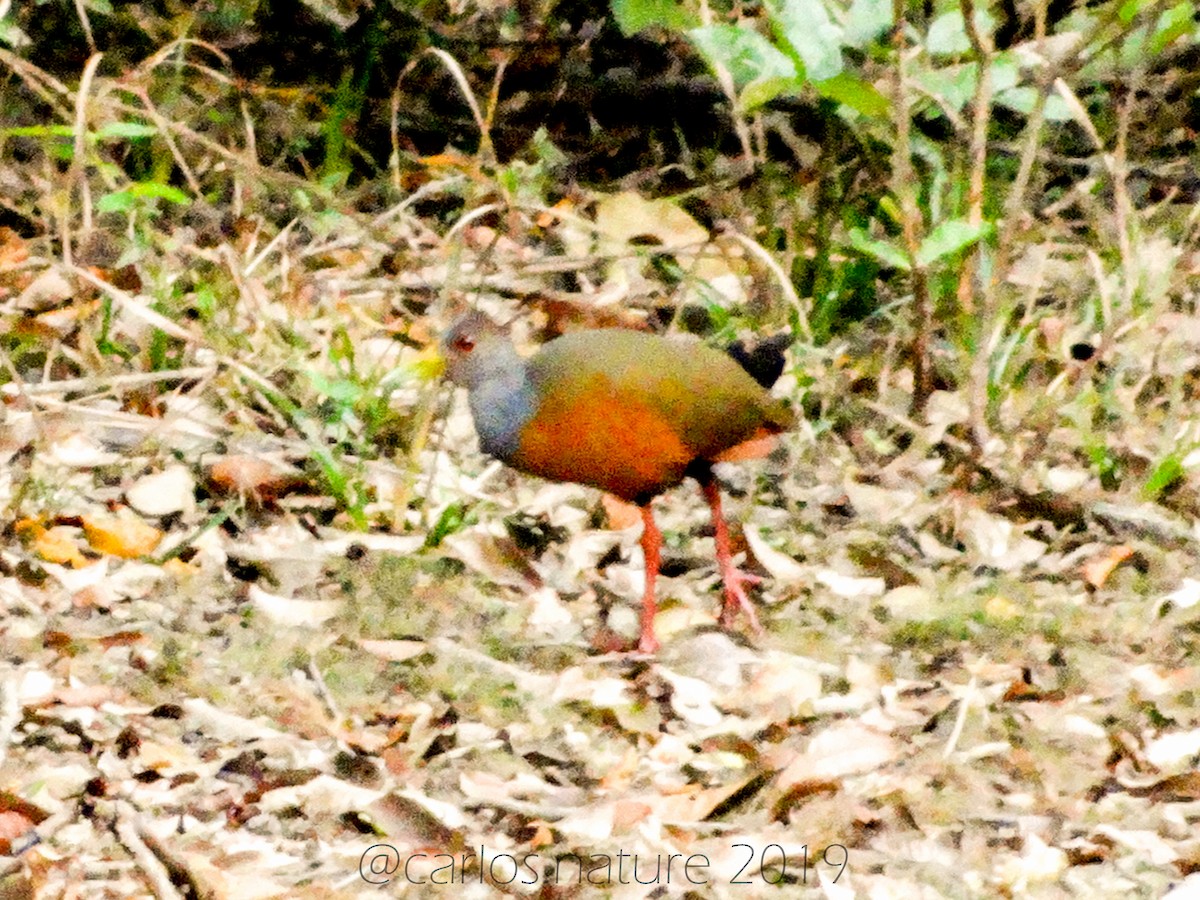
point(502, 402)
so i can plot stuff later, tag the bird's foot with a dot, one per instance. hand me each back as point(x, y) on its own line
point(648, 643)
point(736, 599)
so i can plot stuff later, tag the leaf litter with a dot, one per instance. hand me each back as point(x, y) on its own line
point(211, 685)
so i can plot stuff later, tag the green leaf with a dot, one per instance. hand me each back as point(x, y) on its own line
point(204, 301)
point(744, 52)
point(852, 91)
point(1023, 97)
point(340, 390)
point(547, 151)
point(123, 201)
point(882, 251)
point(452, 519)
point(1173, 23)
point(116, 202)
point(950, 237)
point(1128, 11)
point(159, 191)
point(126, 130)
point(633, 16)
point(867, 20)
point(39, 131)
point(806, 26)
point(764, 90)
point(1165, 474)
point(948, 33)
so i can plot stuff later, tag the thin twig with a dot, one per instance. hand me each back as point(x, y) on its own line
point(128, 830)
point(94, 383)
point(85, 24)
point(980, 318)
point(160, 122)
point(785, 283)
point(131, 305)
point(904, 186)
point(77, 177)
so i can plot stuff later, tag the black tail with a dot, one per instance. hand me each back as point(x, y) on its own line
point(765, 360)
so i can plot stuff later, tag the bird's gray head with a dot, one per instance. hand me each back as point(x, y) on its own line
point(476, 350)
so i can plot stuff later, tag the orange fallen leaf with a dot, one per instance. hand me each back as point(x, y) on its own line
point(121, 639)
point(124, 535)
point(546, 218)
point(1097, 569)
point(627, 813)
point(621, 515)
point(13, 250)
point(1021, 692)
point(1175, 789)
point(543, 835)
point(13, 825)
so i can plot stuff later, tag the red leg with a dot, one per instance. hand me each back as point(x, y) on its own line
point(732, 577)
point(652, 550)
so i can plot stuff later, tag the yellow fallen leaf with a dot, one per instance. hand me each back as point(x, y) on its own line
point(125, 535)
point(177, 568)
point(58, 545)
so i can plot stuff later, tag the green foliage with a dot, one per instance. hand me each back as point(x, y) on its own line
point(453, 519)
point(633, 16)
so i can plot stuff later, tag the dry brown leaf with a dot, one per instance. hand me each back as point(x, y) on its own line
point(123, 535)
point(1097, 569)
point(249, 476)
point(800, 791)
point(496, 558)
point(122, 639)
point(627, 215)
point(1182, 788)
point(1022, 692)
point(694, 803)
point(627, 813)
point(783, 569)
point(847, 748)
point(620, 775)
point(417, 821)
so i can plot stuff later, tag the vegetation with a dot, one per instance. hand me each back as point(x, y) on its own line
point(261, 590)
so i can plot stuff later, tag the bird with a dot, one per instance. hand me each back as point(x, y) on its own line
point(629, 412)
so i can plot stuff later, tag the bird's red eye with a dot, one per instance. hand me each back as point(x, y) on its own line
point(463, 344)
